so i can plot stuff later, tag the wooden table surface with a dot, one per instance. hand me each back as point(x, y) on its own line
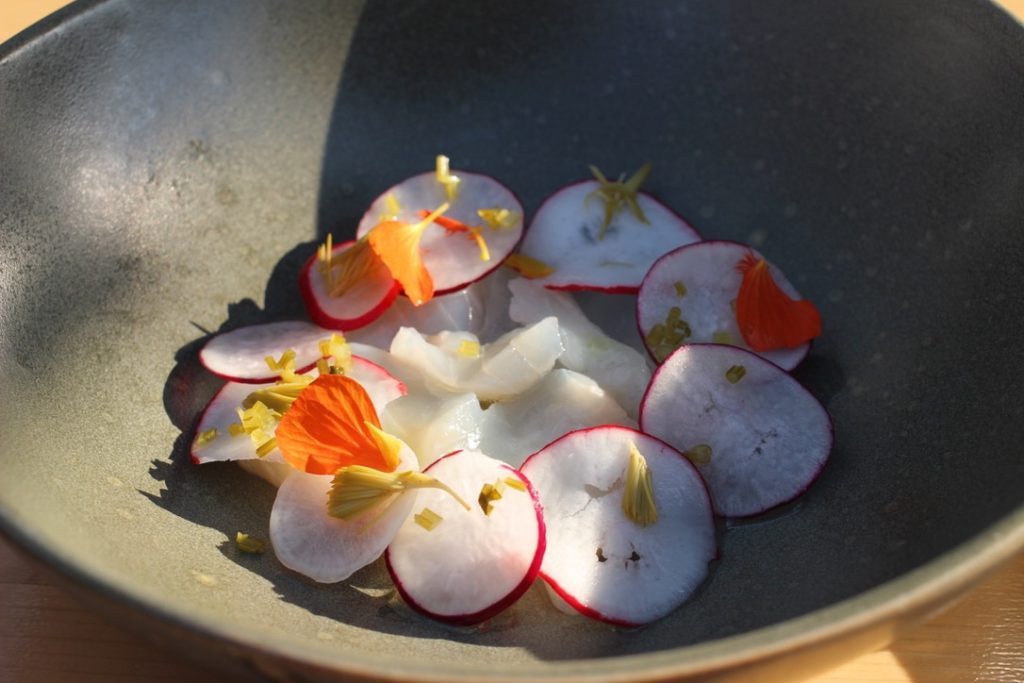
point(46, 635)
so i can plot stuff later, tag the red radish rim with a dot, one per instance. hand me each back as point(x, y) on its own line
point(568, 597)
point(636, 311)
point(824, 411)
point(319, 316)
point(199, 420)
point(403, 390)
point(254, 380)
point(532, 572)
point(617, 289)
point(498, 264)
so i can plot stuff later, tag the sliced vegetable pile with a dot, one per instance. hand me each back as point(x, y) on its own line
point(477, 430)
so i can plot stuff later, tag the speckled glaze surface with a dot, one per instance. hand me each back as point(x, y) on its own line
point(165, 168)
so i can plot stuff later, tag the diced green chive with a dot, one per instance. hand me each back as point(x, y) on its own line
point(699, 454)
point(735, 373)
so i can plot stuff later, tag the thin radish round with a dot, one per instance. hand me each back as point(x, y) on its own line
point(222, 411)
point(453, 259)
point(366, 301)
point(465, 566)
point(327, 549)
point(621, 568)
point(239, 355)
point(566, 235)
point(758, 437)
point(689, 295)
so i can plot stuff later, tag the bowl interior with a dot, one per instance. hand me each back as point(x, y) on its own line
point(168, 167)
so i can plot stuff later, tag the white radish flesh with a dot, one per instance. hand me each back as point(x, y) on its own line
point(366, 301)
point(564, 235)
point(620, 369)
point(765, 438)
point(240, 355)
point(327, 549)
point(434, 426)
point(702, 282)
point(453, 260)
point(599, 560)
point(471, 565)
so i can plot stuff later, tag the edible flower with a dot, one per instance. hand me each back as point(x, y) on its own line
point(343, 271)
point(618, 195)
point(397, 245)
point(638, 497)
point(767, 317)
point(333, 424)
point(356, 488)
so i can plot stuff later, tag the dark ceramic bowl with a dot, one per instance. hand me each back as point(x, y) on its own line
point(160, 163)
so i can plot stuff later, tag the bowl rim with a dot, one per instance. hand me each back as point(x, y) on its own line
point(875, 611)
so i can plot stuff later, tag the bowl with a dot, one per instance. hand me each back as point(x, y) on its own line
point(168, 167)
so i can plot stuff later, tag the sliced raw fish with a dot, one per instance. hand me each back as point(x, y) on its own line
point(455, 362)
point(562, 402)
point(620, 369)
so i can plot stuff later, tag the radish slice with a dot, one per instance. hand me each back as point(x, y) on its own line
point(455, 362)
point(702, 282)
point(327, 549)
point(620, 369)
point(599, 560)
point(758, 437)
point(359, 306)
point(453, 260)
point(239, 355)
point(471, 565)
point(481, 308)
point(564, 235)
point(222, 411)
point(561, 402)
point(274, 473)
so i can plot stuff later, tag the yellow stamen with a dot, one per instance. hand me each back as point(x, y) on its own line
point(469, 348)
point(392, 208)
point(446, 178)
point(428, 519)
point(338, 350)
point(516, 483)
point(638, 498)
point(278, 397)
point(618, 195)
point(528, 267)
point(477, 233)
point(498, 218)
point(206, 437)
point(357, 488)
point(248, 544)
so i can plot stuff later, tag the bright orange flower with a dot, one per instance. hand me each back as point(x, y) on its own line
point(333, 424)
point(768, 319)
point(398, 245)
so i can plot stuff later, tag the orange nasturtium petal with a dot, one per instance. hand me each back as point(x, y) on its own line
point(332, 424)
point(767, 317)
point(398, 245)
